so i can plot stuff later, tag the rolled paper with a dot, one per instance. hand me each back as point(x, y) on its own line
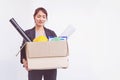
point(68, 31)
point(20, 30)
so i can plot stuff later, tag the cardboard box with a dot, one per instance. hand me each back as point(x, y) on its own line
point(47, 55)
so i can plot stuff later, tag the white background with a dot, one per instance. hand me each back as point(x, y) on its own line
point(94, 47)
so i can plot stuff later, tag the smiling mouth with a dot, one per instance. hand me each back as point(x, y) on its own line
point(40, 22)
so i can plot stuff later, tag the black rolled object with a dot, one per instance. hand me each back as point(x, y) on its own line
point(20, 30)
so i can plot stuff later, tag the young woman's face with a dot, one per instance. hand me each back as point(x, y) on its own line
point(40, 18)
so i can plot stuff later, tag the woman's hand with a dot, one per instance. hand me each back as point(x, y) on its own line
point(25, 64)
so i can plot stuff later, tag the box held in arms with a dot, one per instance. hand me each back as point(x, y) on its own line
point(47, 55)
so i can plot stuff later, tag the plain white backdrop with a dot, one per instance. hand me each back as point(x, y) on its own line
point(94, 48)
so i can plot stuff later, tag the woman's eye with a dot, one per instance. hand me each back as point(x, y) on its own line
point(44, 17)
point(38, 16)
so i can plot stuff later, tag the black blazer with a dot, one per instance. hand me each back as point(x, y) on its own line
point(31, 34)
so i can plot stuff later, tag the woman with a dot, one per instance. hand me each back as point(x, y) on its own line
point(40, 17)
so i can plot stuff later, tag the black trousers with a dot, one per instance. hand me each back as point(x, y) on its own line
point(46, 74)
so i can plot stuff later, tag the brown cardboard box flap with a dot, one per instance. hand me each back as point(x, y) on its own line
point(47, 49)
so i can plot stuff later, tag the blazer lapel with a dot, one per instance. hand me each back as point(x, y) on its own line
point(32, 34)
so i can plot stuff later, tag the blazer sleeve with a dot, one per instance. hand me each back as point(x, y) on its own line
point(22, 52)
